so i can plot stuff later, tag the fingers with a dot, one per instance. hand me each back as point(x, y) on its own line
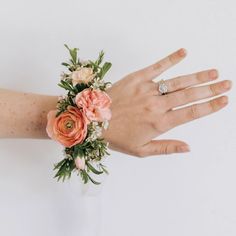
point(152, 71)
point(196, 111)
point(193, 94)
point(160, 147)
point(186, 81)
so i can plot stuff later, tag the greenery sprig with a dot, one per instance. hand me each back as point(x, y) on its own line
point(94, 148)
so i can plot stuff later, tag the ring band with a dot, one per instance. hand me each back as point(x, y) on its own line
point(162, 87)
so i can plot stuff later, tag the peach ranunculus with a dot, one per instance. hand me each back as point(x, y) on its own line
point(95, 104)
point(80, 163)
point(69, 128)
point(83, 75)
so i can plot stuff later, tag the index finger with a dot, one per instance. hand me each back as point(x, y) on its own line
point(152, 71)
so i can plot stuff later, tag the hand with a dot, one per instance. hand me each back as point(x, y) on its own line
point(140, 113)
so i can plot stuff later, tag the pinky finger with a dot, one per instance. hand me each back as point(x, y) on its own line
point(195, 111)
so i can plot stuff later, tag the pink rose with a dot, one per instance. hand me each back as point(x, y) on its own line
point(80, 163)
point(84, 75)
point(95, 104)
point(69, 128)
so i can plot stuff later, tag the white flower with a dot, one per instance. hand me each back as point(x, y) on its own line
point(105, 124)
point(82, 75)
point(97, 83)
point(96, 131)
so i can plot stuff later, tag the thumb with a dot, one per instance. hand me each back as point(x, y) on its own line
point(159, 147)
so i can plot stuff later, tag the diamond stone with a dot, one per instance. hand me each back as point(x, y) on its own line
point(163, 87)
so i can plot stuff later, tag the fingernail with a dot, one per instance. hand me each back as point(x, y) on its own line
point(227, 84)
point(184, 148)
point(213, 74)
point(224, 100)
point(182, 52)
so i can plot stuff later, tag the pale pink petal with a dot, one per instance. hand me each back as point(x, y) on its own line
point(80, 163)
point(51, 116)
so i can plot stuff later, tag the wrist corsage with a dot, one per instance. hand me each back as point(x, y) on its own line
point(80, 117)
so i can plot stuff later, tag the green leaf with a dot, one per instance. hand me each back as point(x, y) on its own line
point(84, 176)
point(65, 167)
point(66, 85)
point(73, 53)
point(95, 171)
point(67, 46)
point(78, 152)
point(80, 86)
point(100, 58)
point(65, 64)
point(92, 180)
point(57, 165)
point(103, 168)
point(105, 68)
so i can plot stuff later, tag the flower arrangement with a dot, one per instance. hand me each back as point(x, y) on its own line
point(80, 117)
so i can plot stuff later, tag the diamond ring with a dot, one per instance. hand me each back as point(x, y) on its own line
point(162, 87)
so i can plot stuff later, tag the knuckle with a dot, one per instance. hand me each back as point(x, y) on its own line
point(139, 90)
point(212, 90)
point(193, 112)
point(164, 149)
point(189, 93)
point(143, 88)
point(153, 104)
point(199, 77)
point(175, 84)
point(157, 66)
point(171, 58)
point(131, 77)
point(212, 106)
point(179, 97)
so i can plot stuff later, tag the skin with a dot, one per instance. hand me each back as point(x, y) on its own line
point(139, 113)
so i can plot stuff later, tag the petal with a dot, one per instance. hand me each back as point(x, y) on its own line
point(51, 116)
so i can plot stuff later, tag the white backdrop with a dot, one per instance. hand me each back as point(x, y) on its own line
point(183, 194)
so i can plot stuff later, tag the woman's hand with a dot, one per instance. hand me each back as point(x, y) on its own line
point(140, 113)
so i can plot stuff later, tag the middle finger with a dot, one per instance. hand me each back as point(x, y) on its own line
point(193, 94)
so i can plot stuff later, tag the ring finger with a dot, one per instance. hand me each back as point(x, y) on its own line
point(186, 81)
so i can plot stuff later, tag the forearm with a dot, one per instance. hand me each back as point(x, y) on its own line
point(24, 115)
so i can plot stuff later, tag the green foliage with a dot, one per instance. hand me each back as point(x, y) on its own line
point(95, 151)
point(104, 69)
point(91, 151)
point(103, 168)
point(100, 58)
point(95, 171)
point(78, 151)
point(66, 85)
point(73, 54)
point(65, 167)
point(80, 87)
point(64, 103)
point(86, 177)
